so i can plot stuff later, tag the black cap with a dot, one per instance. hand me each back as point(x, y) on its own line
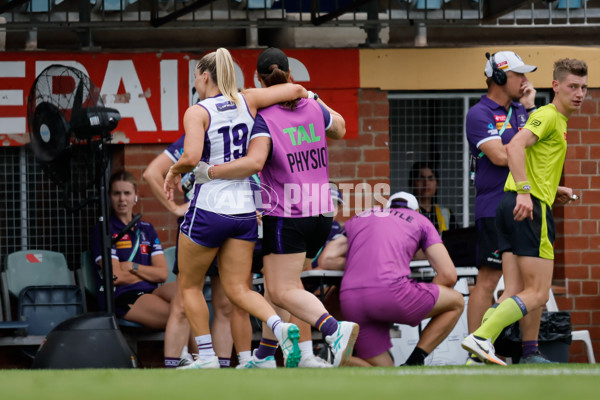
point(271, 56)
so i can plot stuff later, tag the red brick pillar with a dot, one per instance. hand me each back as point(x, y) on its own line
point(365, 160)
point(578, 226)
point(137, 157)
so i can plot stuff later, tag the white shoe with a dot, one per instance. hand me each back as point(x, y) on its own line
point(213, 363)
point(289, 344)
point(183, 362)
point(483, 349)
point(312, 361)
point(253, 362)
point(342, 342)
point(474, 361)
point(242, 363)
point(187, 357)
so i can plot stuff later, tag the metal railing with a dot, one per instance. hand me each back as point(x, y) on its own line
point(145, 14)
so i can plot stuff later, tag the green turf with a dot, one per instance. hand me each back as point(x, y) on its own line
point(574, 381)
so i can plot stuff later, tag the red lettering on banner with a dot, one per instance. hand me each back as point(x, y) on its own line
point(153, 90)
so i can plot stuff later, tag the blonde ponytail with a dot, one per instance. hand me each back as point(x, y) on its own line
point(219, 65)
point(226, 75)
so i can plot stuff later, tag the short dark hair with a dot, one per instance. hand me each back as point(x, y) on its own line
point(566, 66)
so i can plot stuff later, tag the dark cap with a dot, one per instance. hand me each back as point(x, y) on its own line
point(271, 56)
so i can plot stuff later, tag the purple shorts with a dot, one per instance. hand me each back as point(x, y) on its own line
point(406, 302)
point(210, 229)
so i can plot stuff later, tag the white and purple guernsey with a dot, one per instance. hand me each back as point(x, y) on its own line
point(225, 140)
point(295, 179)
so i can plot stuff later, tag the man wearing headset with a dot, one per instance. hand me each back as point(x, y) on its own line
point(490, 125)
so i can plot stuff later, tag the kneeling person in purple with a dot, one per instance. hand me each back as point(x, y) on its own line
point(376, 288)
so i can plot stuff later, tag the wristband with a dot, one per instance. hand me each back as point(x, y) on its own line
point(531, 109)
point(201, 173)
point(135, 267)
point(312, 95)
point(523, 187)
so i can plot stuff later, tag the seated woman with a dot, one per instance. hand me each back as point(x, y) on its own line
point(138, 261)
point(423, 182)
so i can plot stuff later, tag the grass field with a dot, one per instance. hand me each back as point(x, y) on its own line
point(566, 381)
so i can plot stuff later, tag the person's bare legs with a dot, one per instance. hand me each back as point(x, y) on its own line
point(482, 296)
point(221, 323)
point(537, 278)
point(235, 265)
point(282, 279)
point(283, 314)
point(241, 331)
point(149, 310)
point(177, 330)
point(513, 284)
point(381, 360)
point(444, 316)
point(194, 261)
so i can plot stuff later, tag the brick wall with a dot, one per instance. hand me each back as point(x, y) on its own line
point(136, 158)
point(578, 226)
point(365, 160)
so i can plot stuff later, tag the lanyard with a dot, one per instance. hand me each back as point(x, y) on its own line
point(501, 129)
point(137, 245)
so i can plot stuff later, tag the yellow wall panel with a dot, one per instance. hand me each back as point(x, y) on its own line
point(461, 68)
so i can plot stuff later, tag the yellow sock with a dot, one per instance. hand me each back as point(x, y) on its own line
point(487, 315)
point(507, 312)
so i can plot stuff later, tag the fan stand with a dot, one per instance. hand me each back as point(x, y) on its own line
point(91, 340)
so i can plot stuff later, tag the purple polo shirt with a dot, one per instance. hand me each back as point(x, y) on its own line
point(484, 122)
point(381, 244)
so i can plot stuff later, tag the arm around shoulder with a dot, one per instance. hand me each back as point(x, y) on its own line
point(337, 130)
point(264, 97)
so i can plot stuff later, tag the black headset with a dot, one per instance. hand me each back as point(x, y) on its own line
point(498, 75)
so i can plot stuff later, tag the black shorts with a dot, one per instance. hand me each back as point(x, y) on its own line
point(531, 238)
point(487, 244)
point(125, 300)
point(282, 235)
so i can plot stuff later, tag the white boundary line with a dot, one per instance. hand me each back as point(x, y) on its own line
point(487, 370)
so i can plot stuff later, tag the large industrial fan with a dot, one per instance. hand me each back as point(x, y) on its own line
point(67, 121)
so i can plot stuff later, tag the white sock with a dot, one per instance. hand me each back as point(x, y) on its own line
point(306, 348)
point(274, 322)
point(184, 352)
point(205, 349)
point(244, 357)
